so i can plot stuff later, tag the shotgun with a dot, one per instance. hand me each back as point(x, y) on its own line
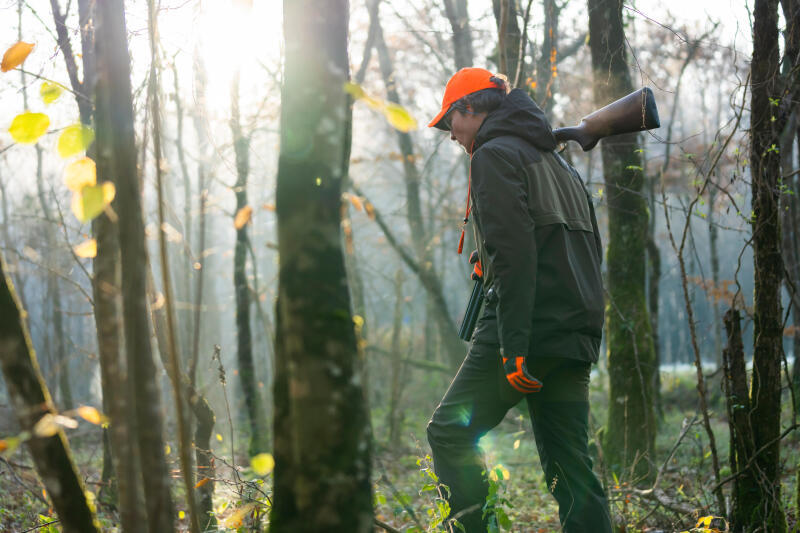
point(632, 113)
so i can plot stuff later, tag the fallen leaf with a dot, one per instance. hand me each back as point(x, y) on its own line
point(237, 517)
point(16, 55)
point(242, 217)
point(86, 249)
point(26, 128)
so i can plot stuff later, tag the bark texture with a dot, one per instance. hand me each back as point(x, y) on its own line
point(322, 438)
point(114, 98)
point(761, 508)
point(630, 432)
point(31, 401)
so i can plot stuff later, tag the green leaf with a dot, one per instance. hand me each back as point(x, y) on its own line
point(26, 128)
point(74, 140)
point(262, 464)
point(50, 91)
point(91, 200)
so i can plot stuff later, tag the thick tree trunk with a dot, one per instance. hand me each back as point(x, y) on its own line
point(247, 374)
point(741, 433)
point(763, 509)
point(31, 401)
point(115, 111)
point(630, 433)
point(547, 65)
point(322, 436)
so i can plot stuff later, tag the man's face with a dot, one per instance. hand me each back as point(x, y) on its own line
point(464, 126)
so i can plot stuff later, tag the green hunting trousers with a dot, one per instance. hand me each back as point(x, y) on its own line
point(478, 399)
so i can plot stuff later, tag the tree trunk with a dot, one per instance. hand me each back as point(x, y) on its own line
point(630, 432)
point(546, 68)
point(31, 401)
point(397, 359)
point(508, 33)
point(741, 433)
point(458, 15)
point(454, 348)
point(247, 375)
point(762, 509)
point(322, 436)
point(115, 112)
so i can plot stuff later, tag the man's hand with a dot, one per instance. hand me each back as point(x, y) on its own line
point(477, 270)
point(518, 376)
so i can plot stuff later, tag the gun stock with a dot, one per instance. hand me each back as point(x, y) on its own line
point(635, 112)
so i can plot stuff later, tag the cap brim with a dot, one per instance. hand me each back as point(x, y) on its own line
point(438, 121)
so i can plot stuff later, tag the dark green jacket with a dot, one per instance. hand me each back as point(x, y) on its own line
point(537, 237)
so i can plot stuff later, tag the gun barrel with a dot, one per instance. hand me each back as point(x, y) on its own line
point(472, 311)
point(632, 113)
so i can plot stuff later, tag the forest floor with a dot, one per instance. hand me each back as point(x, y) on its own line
point(405, 492)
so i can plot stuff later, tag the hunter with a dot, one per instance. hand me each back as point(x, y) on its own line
point(539, 256)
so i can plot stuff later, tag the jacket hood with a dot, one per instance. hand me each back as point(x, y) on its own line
point(518, 115)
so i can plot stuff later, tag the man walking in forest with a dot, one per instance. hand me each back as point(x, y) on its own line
point(539, 256)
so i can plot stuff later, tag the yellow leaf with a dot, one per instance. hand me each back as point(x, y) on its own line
point(86, 249)
point(26, 128)
point(50, 91)
point(516, 444)
point(74, 140)
point(80, 173)
point(201, 482)
point(16, 55)
point(167, 449)
point(242, 217)
point(90, 201)
point(219, 437)
point(90, 414)
point(262, 464)
point(46, 426)
point(355, 90)
point(181, 515)
point(237, 517)
point(399, 118)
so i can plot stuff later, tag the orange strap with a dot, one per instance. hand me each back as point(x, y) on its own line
point(469, 196)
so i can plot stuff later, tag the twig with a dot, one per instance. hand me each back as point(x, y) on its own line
point(386, 526)
point(40, 526)
point(669, 457)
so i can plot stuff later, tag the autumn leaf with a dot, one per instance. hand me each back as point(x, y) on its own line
point(356, 201)
point(26, 128)
point(90, 414)
point(219, 437)
point(202, 482)
point(74, 140)
point(50, 91)
point(242, 217)
point(262, 464)
point(48, 425)
point(370, 209)
point(399, 118)
point(237, 517)
point(86, 249)
point(16, 55)
point(80, 173)
point(90, 201)
point(181, 515)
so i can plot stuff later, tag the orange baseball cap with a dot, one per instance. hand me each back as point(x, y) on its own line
point(464, 82)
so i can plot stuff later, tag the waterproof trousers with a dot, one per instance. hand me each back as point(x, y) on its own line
point(478, 399)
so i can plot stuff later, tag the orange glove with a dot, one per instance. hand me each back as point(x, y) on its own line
point(477, 270)
point(518, 376)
